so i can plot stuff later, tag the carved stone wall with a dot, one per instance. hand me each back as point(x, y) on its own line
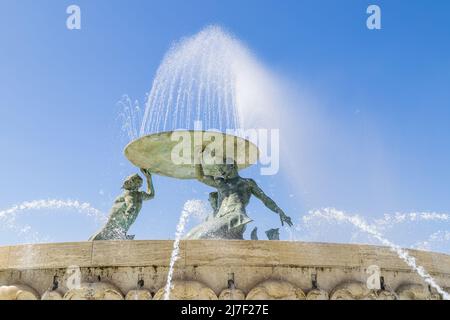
point(211, 270)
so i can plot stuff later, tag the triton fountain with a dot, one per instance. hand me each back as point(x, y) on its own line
point(210, 77)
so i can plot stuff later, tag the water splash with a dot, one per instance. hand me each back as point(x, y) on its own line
point(333, 214)
point(389, 220)
point(26, 232)
point(198, 209)
point(437, 241)
point(131, 117)
point(8, 216)
point(82, 207)
point(207, 77)
point(187, 210)
point(438, 237)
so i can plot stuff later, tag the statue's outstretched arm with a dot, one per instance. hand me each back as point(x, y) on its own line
point(268, 202)
point(150, 194)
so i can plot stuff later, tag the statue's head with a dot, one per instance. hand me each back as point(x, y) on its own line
point(133, 182)
point(229, 169)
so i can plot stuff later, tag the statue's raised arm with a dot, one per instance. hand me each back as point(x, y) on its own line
point(268, 202)
point(150, 194)
point(200, 173)
point(126, 208)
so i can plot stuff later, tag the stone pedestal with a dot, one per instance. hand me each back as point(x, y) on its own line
point(212, 269)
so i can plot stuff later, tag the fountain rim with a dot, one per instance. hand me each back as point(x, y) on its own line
point(63, 254)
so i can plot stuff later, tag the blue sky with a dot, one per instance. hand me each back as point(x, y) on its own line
point(380, 97)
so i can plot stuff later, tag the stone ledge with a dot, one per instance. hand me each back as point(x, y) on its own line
point(212, 253)
point(270, 269)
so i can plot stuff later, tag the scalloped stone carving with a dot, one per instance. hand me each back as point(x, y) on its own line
point(142, 294)
point(413, 292)
point(94, 291)
point(52, 295)
point(276, 290)
point(352, 291)
point(385, 295)
point(232, 294)
point(18, 292)
point(317, 294)
point(187, 290)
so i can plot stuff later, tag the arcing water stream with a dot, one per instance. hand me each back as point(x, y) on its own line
point(83, 207)
point(187, 211)
point(8, 216)
point(340, 216)
point(196, 81)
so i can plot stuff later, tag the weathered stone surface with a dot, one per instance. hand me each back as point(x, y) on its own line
point(187, 290)
point(386, 295)
point(4, 256)
point(232, 294)
point(134, 253)
point(276, 290)
point(52, 295)
point(234, 252)
point(317, 294)
point(351, 291)
point(18, 292)
point(413, 292)
point(389, 259)
point(338, 270)
point(94, 291)
point(359, 291)
point(138, 295)
point(58, 255)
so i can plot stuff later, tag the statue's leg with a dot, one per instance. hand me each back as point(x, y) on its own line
point(237, 233)
point(98, 236)
point(110, 232)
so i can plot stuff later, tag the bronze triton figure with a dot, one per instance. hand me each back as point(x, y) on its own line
point(126, 208)
point(233, 196)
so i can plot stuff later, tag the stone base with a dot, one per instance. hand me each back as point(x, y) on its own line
point(137, 270)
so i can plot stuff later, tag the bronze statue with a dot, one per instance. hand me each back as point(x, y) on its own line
point(214, 202)
point(254, 234)
point(273, 234)
point(233, 193)
point(126, 208)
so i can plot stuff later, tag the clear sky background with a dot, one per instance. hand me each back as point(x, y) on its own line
point(381, 99)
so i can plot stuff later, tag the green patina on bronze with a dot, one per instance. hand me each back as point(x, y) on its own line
point(273, 234)
point(254, 234)
point(233, 196)
point(155, 152)
point(126, 208)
